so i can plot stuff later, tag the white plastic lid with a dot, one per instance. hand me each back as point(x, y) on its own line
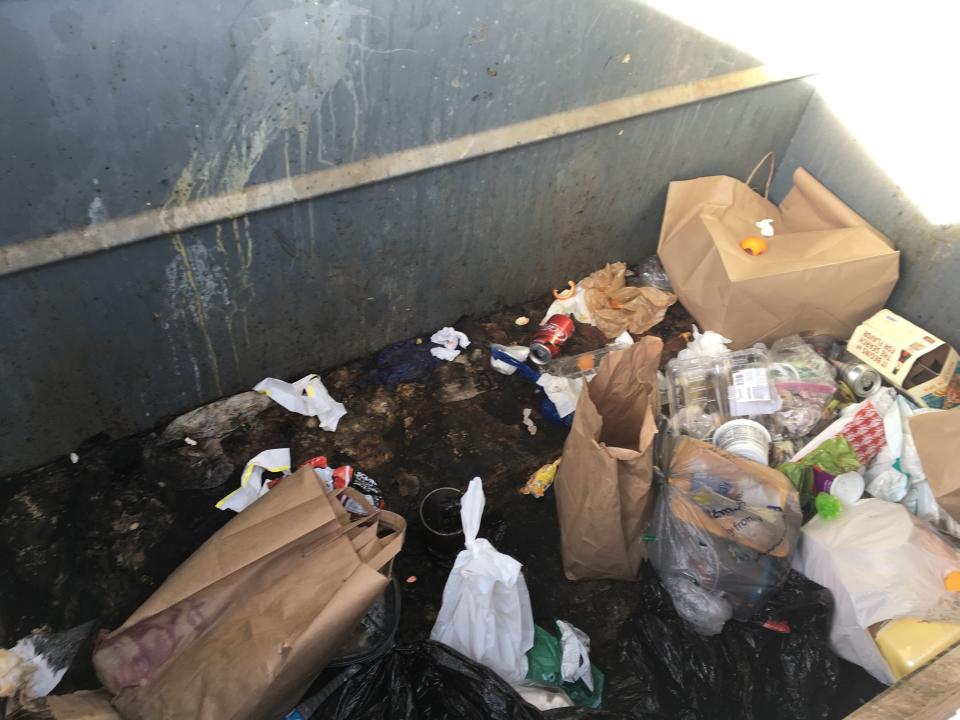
point(847, 487)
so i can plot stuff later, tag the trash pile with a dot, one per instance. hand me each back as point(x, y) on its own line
point(778, 494)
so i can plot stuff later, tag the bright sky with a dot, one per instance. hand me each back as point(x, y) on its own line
point(890, 71)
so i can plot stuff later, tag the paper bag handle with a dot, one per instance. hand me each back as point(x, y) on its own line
point(392, 543)
point(773, 161)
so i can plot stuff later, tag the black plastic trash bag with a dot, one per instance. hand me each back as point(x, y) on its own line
point(776, 665)
point(430, 681)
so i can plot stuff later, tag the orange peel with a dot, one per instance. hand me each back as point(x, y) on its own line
point(754, 245)
point(567, 293)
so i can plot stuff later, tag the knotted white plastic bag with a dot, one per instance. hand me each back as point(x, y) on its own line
point(486, 612)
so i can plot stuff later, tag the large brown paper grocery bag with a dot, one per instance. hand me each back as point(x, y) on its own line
point(826, 269)
point(936, 435)
point(81, 705)
point(243, 627)
point(604, 483)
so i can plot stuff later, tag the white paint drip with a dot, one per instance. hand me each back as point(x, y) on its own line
point(97, 211)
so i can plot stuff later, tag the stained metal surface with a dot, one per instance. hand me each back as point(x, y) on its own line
point(190, 214)
point(930, 253)
point(181, 101)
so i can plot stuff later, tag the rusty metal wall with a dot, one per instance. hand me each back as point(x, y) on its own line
point(928, 293)
point(116, 107)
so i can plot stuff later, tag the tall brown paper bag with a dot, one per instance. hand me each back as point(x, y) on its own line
point(824, 271)
point(605, 480)
point(936, 435)
point(243, 627)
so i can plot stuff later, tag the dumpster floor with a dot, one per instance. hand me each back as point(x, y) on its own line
point(91, 540)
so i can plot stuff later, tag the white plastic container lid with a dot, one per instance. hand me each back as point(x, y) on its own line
point(847, 487)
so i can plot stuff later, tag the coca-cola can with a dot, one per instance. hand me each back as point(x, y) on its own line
point(546, 343)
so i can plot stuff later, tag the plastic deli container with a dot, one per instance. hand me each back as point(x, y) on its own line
point(746, 438)
point(704, 393)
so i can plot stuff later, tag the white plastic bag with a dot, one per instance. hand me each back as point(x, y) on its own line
point(251, 480)
point(879, 563)
point(307, 396)
point(486, 612)
point(708, 344)
point(575, 306)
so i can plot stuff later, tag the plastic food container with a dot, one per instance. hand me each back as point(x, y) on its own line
point(704, 393)
point(746, 438)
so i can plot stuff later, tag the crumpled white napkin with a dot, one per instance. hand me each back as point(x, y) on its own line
point(563, 392)
point(449, 339)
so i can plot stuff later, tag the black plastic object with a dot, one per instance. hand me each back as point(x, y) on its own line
point(404, 362)
point(581, 713)
point(430, 681)
point(776, 665)
point(440, 517)
point(374, 635)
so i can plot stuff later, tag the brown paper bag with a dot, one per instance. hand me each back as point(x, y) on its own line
point(248, 621)
point(604, 482)
point(825, 270)
point(936, 435)
point(615, 307)
point(82, 705)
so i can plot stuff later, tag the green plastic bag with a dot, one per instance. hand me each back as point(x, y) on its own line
point(544, 660)
point(834, 455)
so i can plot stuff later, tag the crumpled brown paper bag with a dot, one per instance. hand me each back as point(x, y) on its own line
point(241, 629)
point(604, 485)
point(935, 435)
point(616, 307)
point(825, 270)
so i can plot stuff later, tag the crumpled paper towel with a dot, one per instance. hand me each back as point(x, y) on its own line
point(563, 392)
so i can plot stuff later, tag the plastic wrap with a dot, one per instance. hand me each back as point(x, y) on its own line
point(777, 665)
point(725, 524)
point(879, 562)
point(705, 392)
point(430, 680)
point(804, 382)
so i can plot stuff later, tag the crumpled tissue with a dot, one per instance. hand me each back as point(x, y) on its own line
point(708, 344)
point(562, 391)
point(450, 340)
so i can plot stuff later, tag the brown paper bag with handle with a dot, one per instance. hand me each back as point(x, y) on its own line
point(604, 483)
point(825, 270)
point(935, 435)
point(243, 627)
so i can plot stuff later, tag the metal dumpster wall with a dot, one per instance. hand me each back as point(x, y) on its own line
point(928, 291)
point(121, 107)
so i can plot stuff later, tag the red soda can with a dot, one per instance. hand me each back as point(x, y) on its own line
point(546, 343)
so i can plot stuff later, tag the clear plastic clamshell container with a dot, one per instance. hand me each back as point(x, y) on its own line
point(704, 393)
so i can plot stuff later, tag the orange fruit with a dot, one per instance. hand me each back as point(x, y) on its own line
point(754, 245)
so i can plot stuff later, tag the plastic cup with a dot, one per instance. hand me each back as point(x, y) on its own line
point(746, 438)
point(846, 487)
point(440, 515)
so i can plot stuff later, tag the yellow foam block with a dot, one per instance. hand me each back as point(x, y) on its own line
point(907, 644)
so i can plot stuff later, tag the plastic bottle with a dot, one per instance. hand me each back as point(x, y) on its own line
point(582, 365)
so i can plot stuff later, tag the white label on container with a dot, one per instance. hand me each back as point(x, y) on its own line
point(749, 385)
